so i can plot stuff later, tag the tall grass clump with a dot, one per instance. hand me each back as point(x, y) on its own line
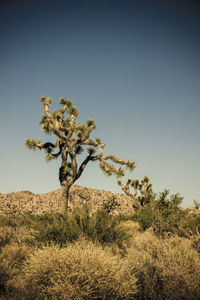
point(165, 268)
point(11, 260)
point(7, 235)
point(79, 271)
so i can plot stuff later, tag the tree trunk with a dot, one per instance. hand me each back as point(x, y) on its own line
point(65, 196)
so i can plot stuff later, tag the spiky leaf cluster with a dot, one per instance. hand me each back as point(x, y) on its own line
point(43, 99)
point(90, 122)
point(73, 111)
point(98, 141)
point(66, 123)
point(57, 115)
point(121, 172)
point(134, 183)
point(91, 151)
point(110, 169)
point(81, 131)
point(67, 102)
point(130, 165)
point(32, 143)
point(78, 149)
point(46, 125)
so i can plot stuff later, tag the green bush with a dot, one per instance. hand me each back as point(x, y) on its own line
point(145, 216)
point(55, 228)
point(165, 216)
point(101, 226)
point(64, 228)
point(105, 228)
point(18, 219)
point(80, 271)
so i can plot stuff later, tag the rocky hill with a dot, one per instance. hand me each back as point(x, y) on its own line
point(25, 201)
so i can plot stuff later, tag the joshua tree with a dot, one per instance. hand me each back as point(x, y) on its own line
point(141, 191)
point(71, 140)
point(196, 204)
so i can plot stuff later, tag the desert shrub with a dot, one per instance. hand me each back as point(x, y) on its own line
point(195, 238)
point(64, 228)
point(80, 271)
point(54, 228)
point(145, 216)
point(101, 226)
point(10, 235)
point(182, 278)
point(11, 259)
point(7, 220)
point(105, 228)
point(167, 218)
point(7, 235)
point(165, 269)
point(82, 218)
point(110, 204)
point(186, 224)
point(131, 229)
point(141, 256)
point(39, 229)
point(18, 219)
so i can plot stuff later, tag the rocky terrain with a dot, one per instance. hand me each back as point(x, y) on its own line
point(25, 201)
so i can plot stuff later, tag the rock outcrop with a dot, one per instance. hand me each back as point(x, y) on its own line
point(26, 201)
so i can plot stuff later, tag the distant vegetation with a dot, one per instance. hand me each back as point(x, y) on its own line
point(151, 254)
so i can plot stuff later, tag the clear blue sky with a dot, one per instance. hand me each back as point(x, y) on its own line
point(131, 65)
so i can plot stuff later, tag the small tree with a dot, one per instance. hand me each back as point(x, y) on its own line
point(196, 204)
point(141, 191)
point(165, 200)
point(71, 140)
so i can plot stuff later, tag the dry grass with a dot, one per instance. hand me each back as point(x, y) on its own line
point(80, 271)
point(166, 269)
point(10, 235)
point(129, 264)
point(7, 235)
point(11, 259)
point(131, 227)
